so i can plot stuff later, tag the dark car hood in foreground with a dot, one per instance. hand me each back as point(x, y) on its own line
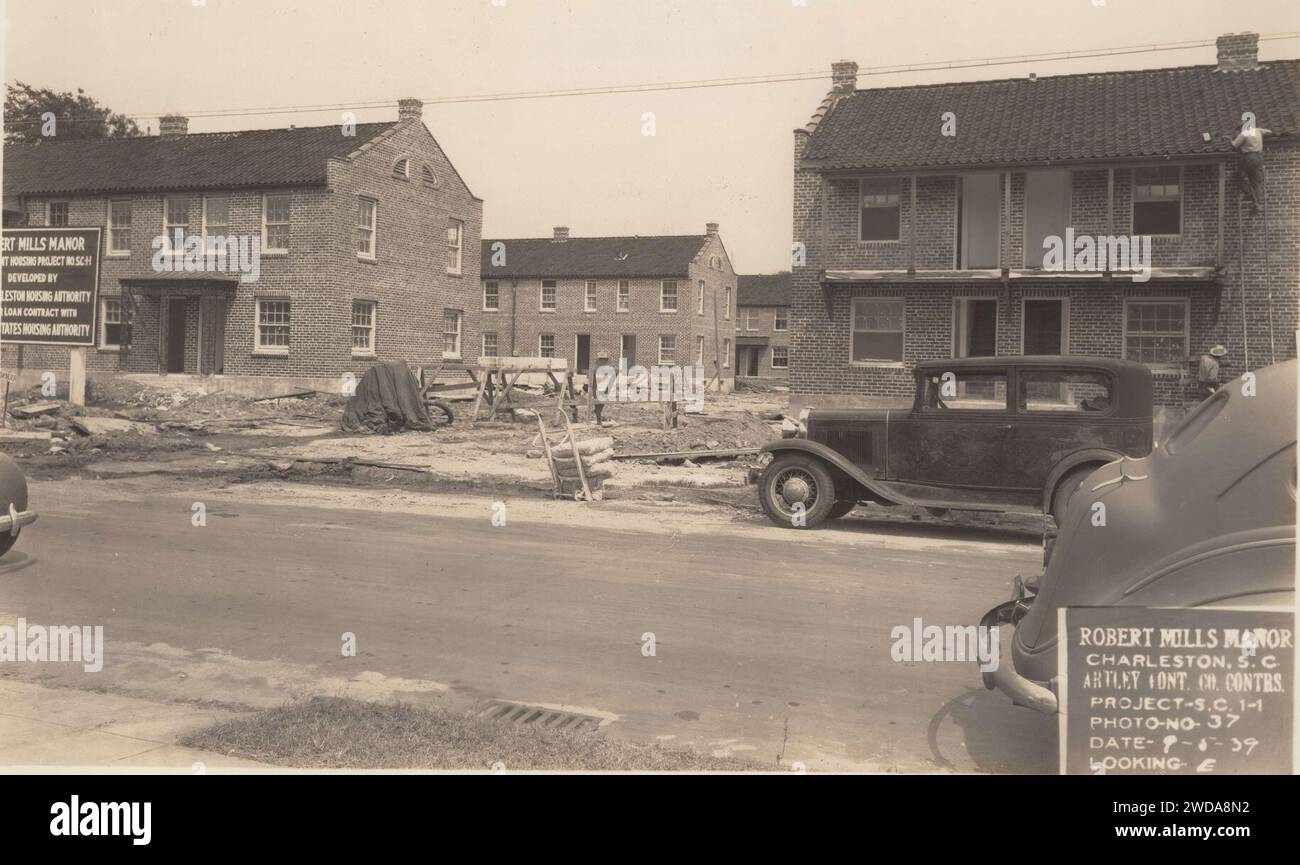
point(1207, 518)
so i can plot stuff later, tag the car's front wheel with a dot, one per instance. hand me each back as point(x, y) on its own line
point(796, 491)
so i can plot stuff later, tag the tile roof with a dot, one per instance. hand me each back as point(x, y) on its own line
point(763, 289)
point(1102, 116)
point(207, 160)
point(581, 257)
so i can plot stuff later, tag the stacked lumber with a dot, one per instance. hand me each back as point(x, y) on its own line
point(595, 455)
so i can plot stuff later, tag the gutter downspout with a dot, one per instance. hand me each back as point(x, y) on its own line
point(514, 311)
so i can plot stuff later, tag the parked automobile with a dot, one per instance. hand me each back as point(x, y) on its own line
point(13, 501)
point(983, 434)
point(1208, 519)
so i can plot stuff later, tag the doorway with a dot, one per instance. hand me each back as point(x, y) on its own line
point(975, 327)
point(981, 207)
point(176, 311)
point(1047, 211)
point(627, 350)
point(582, 358)
point(1046, 329)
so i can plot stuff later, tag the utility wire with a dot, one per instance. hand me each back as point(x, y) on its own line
point(738, 81)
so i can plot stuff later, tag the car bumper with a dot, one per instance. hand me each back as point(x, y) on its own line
point(16, 519)
point(1038, 696)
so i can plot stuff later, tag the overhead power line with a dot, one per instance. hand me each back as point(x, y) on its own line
point(738, 81)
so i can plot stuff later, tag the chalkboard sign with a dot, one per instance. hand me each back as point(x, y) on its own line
point(1159, 691)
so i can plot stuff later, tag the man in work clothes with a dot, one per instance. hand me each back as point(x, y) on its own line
point(1207, 376)
point(1250, 143)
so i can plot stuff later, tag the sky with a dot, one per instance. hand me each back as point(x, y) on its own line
point(717, 154)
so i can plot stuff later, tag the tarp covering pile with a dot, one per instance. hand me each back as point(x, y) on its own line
point(387, 400)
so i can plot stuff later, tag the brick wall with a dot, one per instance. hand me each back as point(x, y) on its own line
point(820, 365)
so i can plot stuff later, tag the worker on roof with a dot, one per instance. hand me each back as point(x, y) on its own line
point(1250, 144)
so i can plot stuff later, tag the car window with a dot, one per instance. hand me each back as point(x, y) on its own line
point(957, 391)
point(1056, 390)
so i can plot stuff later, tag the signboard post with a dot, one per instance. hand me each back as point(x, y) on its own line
point(51, 293)
point(1177, 691)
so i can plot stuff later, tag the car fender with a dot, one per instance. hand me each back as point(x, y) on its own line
point(1071, 462)
point(835, 459)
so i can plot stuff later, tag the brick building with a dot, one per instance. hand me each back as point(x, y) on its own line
point(366, 237)
point(646, 300)
point(920, 215)
point(763, 326)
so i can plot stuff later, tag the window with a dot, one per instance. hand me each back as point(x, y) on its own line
point(363, 327)
point(110, 335)
point(216, 219)
point(981, 391)
point(1157, 200)
point(749, 323)
point(455, 242)
point(402, 168)
point(275, 223)
point(491, 296)
point(1155, 332)
point(667, 349)
point(589, 301)
point(273, 326)
point(877, 330)
point(119, 227)
point(726, 354)
point(1064, 391)
point(975, 327)
point(781, 320)
point(176, 219)
point(627, 349)
point(780, 357)
point(547, 301)
point(726, 303)
point(878, 211)
point(700, 306)
point(699, 351)
point(546, 345)
point(367, 219)
point(490, 343)
point(428, 177)
point(624, 295)
point(56, 213)
point(668, 296)
point(451, 332)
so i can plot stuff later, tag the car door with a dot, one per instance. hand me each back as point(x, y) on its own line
point(1060, 411)
point(959, 434)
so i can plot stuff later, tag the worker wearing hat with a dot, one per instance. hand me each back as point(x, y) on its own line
point(1207, 375)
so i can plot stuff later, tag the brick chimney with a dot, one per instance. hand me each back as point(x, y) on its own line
point(173, 124)
point(1238, 51)
point(711, 229)
point(409, 109)
point(844, 77)
point(561, 234)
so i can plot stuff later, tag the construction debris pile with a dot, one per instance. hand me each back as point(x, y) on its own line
point(592, 464)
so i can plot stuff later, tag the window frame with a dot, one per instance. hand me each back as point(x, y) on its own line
point(878, 362)
point(777, 317)
point(496, 287)
point(772, 359)
point(663, 296)
point(266, 224)
point(898, 182)
point(726, 303)
point(66, 204)
point(260, 348)
point(672, 351)
point(623, 296)
point(1187, 326)
point(699, 351)
point(483, 344)
point(373, 327)
point(402, 168)
point(726, 353)
point(1133, 199)
point(589, 296)
point(112, 233)
point(457, 352)
point(459, 268)
point(555, 296)
point(541, 348)
point(103, 343)
point(203, 219)
point(362, 202)
point(699, 310)
point(168, 249)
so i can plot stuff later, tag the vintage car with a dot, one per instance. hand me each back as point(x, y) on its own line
point(1208, 519)
point(13, 502)
point(983, 434)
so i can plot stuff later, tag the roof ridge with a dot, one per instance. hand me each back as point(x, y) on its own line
point(54, 140)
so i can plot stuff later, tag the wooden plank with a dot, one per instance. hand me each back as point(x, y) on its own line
point(577, 456)
point(725, 452)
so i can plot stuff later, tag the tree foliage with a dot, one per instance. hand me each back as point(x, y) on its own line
point(75, 115)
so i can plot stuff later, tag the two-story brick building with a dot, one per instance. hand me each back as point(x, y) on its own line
point(763, 326)
point(366, 235)
point(923, 215)
point(666, 300)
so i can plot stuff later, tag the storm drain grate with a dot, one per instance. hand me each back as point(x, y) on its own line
point(523, 715)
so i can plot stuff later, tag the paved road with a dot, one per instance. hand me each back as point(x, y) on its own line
point(768, 644)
